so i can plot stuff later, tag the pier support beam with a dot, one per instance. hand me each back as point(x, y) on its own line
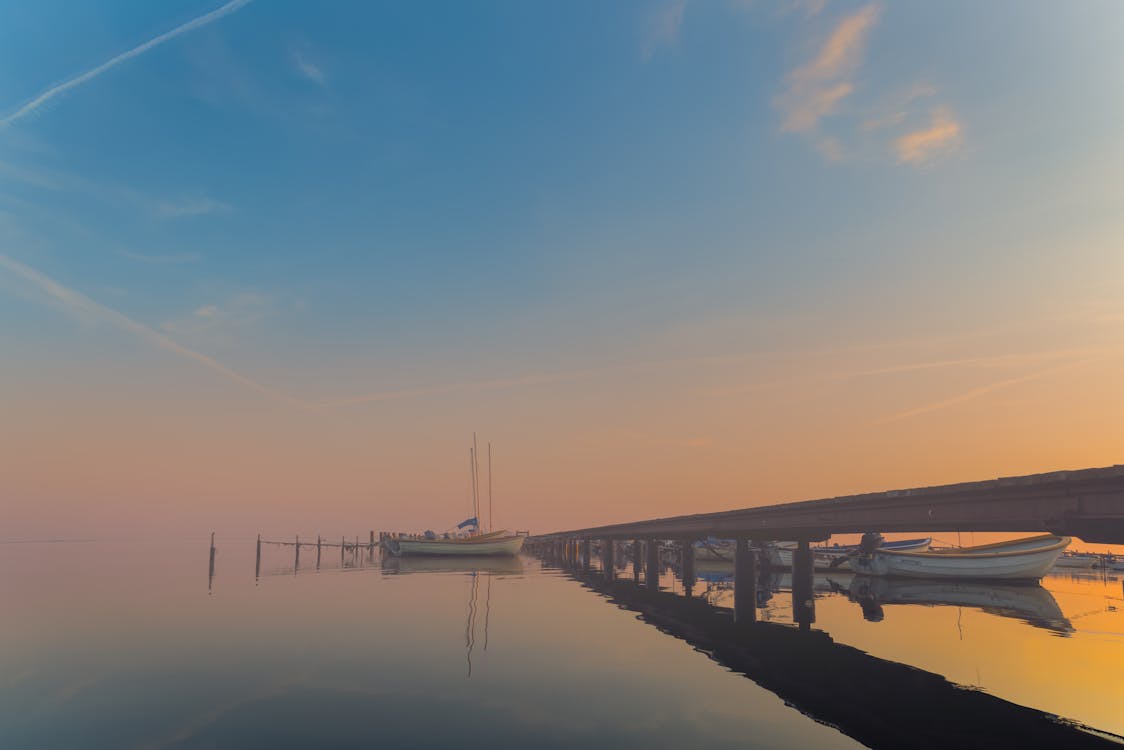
point(803, 601)
point(297, 560)
point(257, 560)
point(637, 559)
point(745, 582)
point(687, 564)
point(608, 559)
point(586, 545)
point(318, 552)
point(653, 566)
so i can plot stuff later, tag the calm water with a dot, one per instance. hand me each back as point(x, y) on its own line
point(122, 645)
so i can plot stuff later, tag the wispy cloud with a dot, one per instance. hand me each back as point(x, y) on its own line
point(92, 73)
point(940, 138)
point(816, 88)
point(79, 304)
point(199, 205)
point(307, 68)
point(662, 27)
point(984, 390)
point(172, 258)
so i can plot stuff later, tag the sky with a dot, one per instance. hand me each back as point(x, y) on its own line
point(267, 266)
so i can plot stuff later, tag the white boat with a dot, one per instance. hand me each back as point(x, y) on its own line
point(1077, 560)
point(494, 543)
point(1027, 559)
point(826, 558)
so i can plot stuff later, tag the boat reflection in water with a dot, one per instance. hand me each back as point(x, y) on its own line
point(496, 565)
point(1030, 603)
point(878, 702)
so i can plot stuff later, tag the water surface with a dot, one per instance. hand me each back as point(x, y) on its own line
point(129, 645)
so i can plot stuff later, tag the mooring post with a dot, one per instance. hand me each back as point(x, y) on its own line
point(803, 598)
point(297, 562)
point(653, 549)
point(211, 565)
point(745, 582)
point(608, 564)
point(257, 561)
point(318, 552)
point(687, 563)
point(341, 551)
point(371, 546)
point(637, 559)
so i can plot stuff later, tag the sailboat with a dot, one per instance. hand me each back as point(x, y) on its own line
point(474, 542)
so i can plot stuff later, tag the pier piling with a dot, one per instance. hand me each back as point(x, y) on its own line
point(745, 582)
point(637, 559)
point(803, 603)
point(608, 565)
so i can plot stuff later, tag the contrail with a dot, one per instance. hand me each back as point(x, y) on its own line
point(78, 80)
point(80, 303)
point(983, 390)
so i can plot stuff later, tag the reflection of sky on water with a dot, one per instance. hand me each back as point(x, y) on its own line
point(121, 645)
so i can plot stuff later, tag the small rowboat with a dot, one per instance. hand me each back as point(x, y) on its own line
point(1026, 559)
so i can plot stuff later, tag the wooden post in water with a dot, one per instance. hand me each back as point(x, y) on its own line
point(803, 601)
point(653, 567)
point(745, 582)
point(257, 560)
point(637, 559)
point(371, 547)
point(318, 552)
point(341, 551)
point(608, 565)
point(687, 564)
point(211, 565)
point(586, 547)
point(297, 561)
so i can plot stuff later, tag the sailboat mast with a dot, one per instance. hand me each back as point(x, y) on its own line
point(491, 513)
point(472, 469)
point(476, 479)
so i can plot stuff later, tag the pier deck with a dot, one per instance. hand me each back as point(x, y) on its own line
point(1088, 504)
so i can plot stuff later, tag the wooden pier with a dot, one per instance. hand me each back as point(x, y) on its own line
point(345, 547)
point(1087, 504)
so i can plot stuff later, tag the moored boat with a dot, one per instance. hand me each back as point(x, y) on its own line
point(1020, 559)
point(1082, 560)
point(495, 543)
point(828, 558)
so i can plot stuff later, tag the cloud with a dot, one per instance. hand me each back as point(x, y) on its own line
point(816, 87)
point(79, 304)
point(173, 258)
point(307, 68)
point(940, 138)
point(92, 73)
point(830, 148)
point(663, 27)
point(227, 324)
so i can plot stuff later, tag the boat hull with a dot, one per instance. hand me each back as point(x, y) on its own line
point(1027, 559)
point(506, 545)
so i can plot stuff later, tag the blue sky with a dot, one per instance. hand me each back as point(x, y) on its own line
point(329, 200)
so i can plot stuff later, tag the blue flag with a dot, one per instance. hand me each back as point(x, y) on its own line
point(468, 522)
